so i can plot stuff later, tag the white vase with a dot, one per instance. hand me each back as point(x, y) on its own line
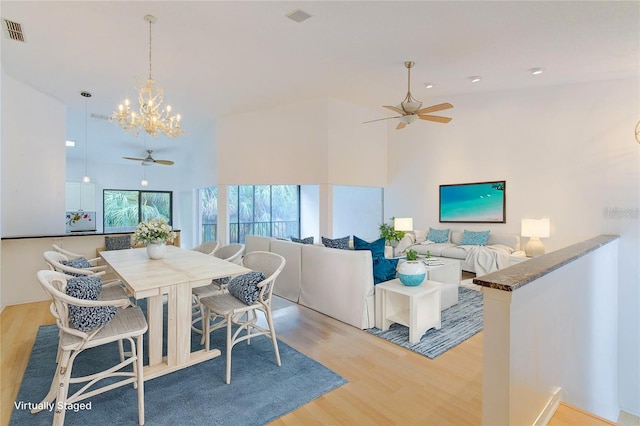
point(156, 250)
point(412, 272)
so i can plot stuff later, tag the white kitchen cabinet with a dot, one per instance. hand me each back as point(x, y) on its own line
point(81, 196)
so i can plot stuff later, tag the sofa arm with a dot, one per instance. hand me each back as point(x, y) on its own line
point(338, 283)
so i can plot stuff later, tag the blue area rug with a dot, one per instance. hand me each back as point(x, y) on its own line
point(259, 392)
point(459, 323)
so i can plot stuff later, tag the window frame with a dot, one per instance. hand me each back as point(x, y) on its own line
point(139, 199)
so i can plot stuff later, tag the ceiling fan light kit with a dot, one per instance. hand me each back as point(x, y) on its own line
point(410, 109)
point(152, 117)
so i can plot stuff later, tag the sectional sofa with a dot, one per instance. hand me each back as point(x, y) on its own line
point(500, 251)
point(337, 283)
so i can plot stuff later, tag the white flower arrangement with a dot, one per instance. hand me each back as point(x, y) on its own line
point(154, 231)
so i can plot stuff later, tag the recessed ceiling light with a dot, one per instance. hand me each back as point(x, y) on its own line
point(70, 143)
point(536, 70)
point(475, 78)
point(428, 85)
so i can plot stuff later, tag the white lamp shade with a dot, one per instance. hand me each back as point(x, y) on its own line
point(539, 228)
point(408, 119)
point(403, 224)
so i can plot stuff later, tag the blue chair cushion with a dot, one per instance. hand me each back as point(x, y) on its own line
point(471, 238)
point(117, 243)
point(438, 235)
point(78, 263)
point(376, 247)
point(87, 318)
point(245, 287)
point(308, 240)
point(337, 243)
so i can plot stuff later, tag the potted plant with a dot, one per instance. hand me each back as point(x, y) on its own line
point(155, 234)
point(412, 272)
point(390, 235)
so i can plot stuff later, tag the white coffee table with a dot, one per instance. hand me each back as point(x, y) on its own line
point(415, 307)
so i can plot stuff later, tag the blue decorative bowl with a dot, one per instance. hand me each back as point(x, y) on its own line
point(411, 280)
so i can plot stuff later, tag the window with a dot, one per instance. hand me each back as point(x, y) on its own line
point(208, 213)
point(124, 209)
point(269, 210)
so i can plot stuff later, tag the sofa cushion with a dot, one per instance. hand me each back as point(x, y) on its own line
point(454, 252)
point(384, 269)
point(438, 235)
point(420, 235)
point(245, 287)
point(86, 318)
point(434, 249)
point(337, 243)
point(308, 240)
point(376, 247)
point(473, 238)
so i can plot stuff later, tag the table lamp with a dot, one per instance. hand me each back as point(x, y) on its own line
point(403, 224)
point(535, 229)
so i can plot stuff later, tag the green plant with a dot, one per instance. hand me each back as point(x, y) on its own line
point(389, 233)
point(412, 255)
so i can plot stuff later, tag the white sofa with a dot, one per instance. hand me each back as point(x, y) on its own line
point(510, 243)
point(337, 283)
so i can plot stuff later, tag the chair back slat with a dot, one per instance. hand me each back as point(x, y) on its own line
point(231, 252)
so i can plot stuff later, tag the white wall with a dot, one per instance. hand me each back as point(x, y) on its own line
point(33, 161)
point(566, 153)
point(558, 331)
point(357, 211)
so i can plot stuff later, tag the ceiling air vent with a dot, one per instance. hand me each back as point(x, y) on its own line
point(12, 30)
point(298, 15)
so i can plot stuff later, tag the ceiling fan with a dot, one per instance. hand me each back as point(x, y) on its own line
point(149, 160)
point(409, 109)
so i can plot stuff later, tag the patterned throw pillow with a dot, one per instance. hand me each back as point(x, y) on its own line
point(87, 318)
point(376, 247)
point(77, 263)
point(308, 240)
point(337, 243)
point(471, 238)
point(438, 235)
point(117, 243)
point(245, 287)
point(384, 269)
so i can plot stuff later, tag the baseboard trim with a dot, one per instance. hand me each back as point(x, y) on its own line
point(549, 408)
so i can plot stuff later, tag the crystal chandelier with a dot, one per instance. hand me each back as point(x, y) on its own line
point(152, 117)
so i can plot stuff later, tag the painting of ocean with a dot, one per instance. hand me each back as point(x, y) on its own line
point(482, 202)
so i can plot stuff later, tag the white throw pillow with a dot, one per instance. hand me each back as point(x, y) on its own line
point(421, 235)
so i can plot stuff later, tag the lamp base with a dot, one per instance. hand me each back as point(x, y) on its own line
point(534, 247)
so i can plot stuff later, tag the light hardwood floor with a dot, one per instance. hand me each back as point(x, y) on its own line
point(387, 384)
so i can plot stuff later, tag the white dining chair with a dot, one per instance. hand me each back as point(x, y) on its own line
point(208, 247)
point(127, 323)
point(227, 309)
point(231, 253)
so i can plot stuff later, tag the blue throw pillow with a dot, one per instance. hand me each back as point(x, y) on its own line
point(308, 240)
point(87, 318)
point(438, 235)
point(337, 243)
point(245, 287)
point(384, 269)
point(376, 247)
point(471, 238)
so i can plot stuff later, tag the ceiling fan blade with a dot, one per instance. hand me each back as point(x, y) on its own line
point(394, 109)
point(401, 125)
point(436, 118)
point(380, 119)
point(165, 162)
point(134, 159)
point(435, 108)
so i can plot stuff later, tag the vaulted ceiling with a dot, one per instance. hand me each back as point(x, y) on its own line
point(216, 58)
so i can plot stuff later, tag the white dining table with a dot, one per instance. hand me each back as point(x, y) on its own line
point(170, 278)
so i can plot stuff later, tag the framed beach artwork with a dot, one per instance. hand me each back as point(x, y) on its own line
point(479, 202)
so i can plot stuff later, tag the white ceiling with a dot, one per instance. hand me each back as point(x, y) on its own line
point(216, 58)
